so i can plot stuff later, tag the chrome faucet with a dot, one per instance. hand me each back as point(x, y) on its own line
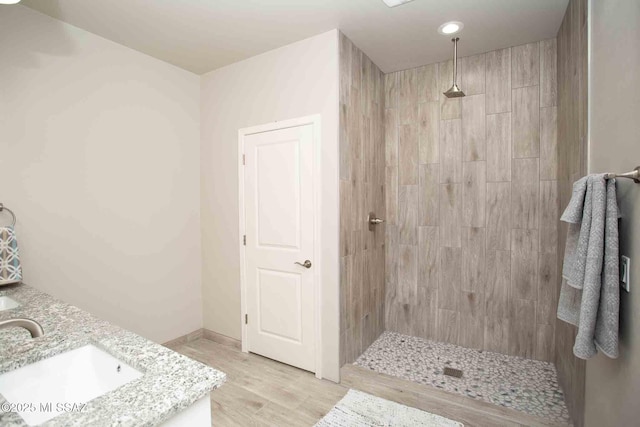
point(32, 326)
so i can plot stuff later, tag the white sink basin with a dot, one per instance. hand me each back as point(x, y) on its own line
point(7, 303)
point(53, 385)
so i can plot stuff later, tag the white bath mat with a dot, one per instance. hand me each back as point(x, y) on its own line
point(358, 409)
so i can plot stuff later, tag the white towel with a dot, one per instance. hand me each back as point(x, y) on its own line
point(590, 292)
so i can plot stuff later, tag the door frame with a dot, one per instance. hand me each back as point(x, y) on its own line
point(313, 120)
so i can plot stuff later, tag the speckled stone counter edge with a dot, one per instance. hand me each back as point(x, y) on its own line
point(171, 382)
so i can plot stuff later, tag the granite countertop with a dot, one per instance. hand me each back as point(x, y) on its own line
point(170, 383)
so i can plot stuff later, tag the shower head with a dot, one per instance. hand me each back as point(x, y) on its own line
point(455, 91)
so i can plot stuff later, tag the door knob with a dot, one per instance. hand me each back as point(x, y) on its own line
point(306, 264)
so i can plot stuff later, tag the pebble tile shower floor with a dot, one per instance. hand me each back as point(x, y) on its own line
point(525, 385)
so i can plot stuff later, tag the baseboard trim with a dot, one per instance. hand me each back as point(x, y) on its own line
point(206, 334)
point(221, 339)
point(191, 336)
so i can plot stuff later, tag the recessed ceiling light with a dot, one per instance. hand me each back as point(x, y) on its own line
point(394, 3)
point(9, 1)
point(451, 27)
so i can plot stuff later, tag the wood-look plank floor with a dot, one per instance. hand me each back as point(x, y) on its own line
point(263, 392)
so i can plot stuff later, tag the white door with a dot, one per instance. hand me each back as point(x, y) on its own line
point(279, 229)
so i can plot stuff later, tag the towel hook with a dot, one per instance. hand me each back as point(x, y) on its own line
point(13, 216)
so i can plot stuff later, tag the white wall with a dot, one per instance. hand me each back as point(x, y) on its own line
point(613, 385)
point(296, 80)
point(99, 155)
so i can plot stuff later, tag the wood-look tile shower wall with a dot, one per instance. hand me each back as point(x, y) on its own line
point(572, 165)
point(361, 191)
point(472, 202)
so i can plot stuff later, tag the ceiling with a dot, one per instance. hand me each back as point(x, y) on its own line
point(202, 35)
